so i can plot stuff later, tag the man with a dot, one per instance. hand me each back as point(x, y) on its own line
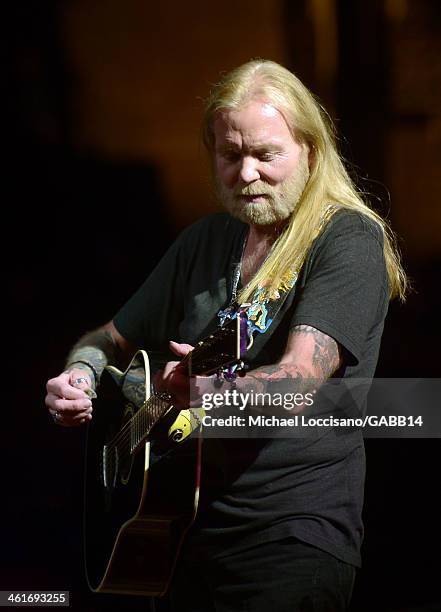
point(280, 519)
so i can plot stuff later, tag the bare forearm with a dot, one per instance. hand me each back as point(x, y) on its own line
point(311, 357)
point(93, 352)
point(278, 377)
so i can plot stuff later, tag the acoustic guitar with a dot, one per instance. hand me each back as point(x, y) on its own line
point(143, 468)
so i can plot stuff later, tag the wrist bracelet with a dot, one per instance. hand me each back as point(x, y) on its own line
point(89, 365)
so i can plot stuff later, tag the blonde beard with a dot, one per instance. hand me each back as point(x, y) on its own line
point(279, 204)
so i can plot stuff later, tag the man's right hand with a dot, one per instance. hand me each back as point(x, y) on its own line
point(69, 398)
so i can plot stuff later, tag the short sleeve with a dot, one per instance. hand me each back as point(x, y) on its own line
point(186, 289)
point(344, 291)
point(153, 312)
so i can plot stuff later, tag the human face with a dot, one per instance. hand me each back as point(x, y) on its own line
point(261, 170)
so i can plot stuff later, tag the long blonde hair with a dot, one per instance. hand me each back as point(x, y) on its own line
point(329, 182)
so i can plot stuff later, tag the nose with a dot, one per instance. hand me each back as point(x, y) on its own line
point(249, 170)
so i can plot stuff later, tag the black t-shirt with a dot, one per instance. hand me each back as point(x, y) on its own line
point(256, 490)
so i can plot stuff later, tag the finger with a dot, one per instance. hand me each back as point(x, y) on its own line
point(62, 388)
point(57, 403)
point(181, 350)
point(59, 419)
point(79, 379)
point(158, 380)
point(67, 420)
point(50, 399)
point(164, 378)
point(83, 383)
point(169, 369)
point(82, 417)
point(72, 407)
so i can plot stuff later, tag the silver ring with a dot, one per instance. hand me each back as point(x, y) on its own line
point(79, 381)
point(56, 416)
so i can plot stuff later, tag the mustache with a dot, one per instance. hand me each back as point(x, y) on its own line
point(253, 189)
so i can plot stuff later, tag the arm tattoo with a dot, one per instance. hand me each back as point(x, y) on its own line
point(306, 375)
point(326, 358)
point(268, 378)
point(97, 347)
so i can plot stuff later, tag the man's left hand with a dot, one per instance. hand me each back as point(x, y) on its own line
point(174, 379)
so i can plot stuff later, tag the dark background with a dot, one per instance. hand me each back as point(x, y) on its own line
point(104, 167)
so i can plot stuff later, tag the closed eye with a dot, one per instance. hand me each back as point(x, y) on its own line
point(266, 157)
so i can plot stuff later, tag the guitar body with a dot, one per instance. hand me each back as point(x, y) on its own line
point(142, 472)
point(139, 505)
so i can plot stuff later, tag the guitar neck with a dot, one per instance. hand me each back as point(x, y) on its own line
point(225, 346)
point(144, 420)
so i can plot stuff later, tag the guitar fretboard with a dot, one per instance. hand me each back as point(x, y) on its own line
point(146, 417)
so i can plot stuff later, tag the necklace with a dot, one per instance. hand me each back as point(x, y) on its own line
point(237, 272)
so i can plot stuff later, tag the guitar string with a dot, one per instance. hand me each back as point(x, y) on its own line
point(223, 331)
point(125, 429)
point(124, 437)
point(111, 460)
